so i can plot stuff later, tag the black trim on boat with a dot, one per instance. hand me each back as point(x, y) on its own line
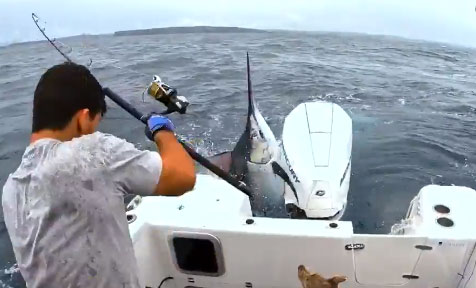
point(354, 246)
point(345, 172)
point(409, 276)
point(423, 247)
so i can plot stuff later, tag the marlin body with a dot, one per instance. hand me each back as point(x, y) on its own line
point(254, 160)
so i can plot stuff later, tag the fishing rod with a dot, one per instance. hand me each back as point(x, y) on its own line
point(55, 43)
point(195, 155)
point(174, 103)
point(36, 19)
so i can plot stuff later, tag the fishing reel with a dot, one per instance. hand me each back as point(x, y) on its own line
point(167, 95)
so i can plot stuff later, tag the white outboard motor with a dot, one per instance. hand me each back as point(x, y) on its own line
point(317, 146)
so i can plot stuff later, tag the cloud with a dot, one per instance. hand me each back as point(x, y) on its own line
point(439, 20)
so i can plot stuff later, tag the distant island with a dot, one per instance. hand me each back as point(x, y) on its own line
point(190, 29)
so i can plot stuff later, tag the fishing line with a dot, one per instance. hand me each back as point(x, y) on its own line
point(65, 49)
point(159, 90)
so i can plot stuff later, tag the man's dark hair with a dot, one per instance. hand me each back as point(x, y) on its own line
point(62, 91)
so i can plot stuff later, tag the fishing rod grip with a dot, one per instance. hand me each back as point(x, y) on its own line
point(195, 156)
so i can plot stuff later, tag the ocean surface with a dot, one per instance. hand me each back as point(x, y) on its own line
point(411, 102)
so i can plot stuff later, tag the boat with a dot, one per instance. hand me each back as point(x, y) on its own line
point(211, 237)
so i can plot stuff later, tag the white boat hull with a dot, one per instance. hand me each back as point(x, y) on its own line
point(266, 252)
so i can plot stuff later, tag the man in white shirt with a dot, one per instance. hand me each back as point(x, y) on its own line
point(63, 206)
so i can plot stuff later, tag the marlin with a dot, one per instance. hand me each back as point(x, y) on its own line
point(254, 161)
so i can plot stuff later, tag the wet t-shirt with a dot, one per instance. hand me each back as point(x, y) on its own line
point(64, 210)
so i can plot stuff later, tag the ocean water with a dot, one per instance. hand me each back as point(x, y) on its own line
point(411, 102)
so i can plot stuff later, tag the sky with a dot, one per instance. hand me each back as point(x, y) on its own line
point(451, 21)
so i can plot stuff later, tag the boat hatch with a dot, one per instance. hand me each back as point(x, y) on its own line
point(197, 253)
point(386, 260)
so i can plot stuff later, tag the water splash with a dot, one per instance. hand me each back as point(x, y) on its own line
point(13, 269)
point(9, 275)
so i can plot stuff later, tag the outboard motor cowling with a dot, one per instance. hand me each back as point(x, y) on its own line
point(316, 154)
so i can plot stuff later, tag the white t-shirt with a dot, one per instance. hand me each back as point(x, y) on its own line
point(64, 210)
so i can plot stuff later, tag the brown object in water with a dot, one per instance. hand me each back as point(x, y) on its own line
point(315, 280)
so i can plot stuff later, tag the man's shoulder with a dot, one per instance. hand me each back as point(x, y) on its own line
point(98, 136)
point(102, 145)
point(98, 139)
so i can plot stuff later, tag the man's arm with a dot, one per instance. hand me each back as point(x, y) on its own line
point(178, 169)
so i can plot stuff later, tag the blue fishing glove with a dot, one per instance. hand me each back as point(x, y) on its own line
point(155, 123)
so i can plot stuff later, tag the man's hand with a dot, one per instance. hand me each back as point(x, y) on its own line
point(155, 123)
point(178, 169)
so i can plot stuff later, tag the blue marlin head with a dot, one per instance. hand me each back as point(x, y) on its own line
point(262, 144)
point(253, 159)
point(257, 144)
